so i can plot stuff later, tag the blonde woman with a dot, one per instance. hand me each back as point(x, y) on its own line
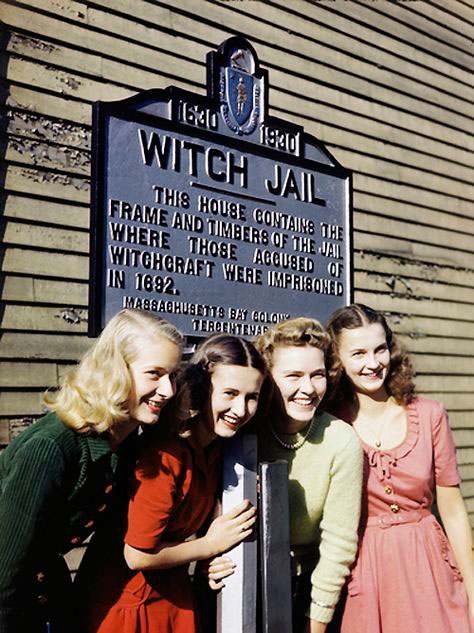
point(57, 477)
point(325, 471)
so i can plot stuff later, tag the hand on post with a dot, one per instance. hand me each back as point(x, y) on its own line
point(216, 569)
point(231, 528)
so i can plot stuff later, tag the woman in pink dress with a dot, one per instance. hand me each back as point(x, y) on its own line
point(409, 575)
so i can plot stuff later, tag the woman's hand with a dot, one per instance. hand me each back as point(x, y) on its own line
point(231, 528)
point(313, 626)
point(216, 570)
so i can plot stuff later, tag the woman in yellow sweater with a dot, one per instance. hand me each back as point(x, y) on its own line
point(325, 471)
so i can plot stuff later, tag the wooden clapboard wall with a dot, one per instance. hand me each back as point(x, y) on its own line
point(386, 85)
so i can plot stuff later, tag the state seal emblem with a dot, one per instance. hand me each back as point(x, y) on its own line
point(240, 92)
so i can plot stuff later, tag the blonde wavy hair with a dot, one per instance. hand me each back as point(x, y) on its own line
point(297, 332)
point(94, 395)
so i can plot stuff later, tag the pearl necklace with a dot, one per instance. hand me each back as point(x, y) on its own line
point(299, 443)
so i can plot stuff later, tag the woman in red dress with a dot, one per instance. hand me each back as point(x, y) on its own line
point(173, 493)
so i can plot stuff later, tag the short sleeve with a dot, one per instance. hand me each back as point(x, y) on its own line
point(444, 449)
point(154, 490)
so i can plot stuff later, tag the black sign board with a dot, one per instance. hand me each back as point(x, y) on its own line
point(213, 214)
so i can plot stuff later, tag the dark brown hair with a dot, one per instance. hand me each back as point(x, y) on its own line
point(194, 384)
point(399, 382)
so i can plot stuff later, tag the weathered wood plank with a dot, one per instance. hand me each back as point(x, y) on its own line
point(413, 155)
point(33, 318)
point(464, 438)
point(430, 235)
point(418, 40)
point(411, 194)
point(445, 349)
point(39, 127)
point(42, 103)
point(444, 384)
point(21, 403)
point(55, 80)
point(467, 472)
point(412, 269)
point(325, 121)
point(30, 262)
point(29, 289)
point(462, 420)
point(50, 156)
point(415, 288)
point(43, 183)
point(55, 347)
point(47, 211)
point(452, 401)
point(17, 233)
point(4, 432)
point(403, 174)
point(431, 20)
point(404, 211)
point(466, 456)
point(434, 364)
point(443, 309)
point(419, 327)
point(28, 374)
point(467, 488)
point(397, 246)
point(463, 9)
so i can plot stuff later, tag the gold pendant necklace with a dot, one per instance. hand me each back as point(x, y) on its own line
point(378, 436)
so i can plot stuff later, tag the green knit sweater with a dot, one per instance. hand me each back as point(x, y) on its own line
point(325, 481)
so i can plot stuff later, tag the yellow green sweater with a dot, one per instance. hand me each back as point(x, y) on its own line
point(325, 481)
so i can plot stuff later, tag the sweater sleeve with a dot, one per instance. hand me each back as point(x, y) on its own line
point(31, 498)
point(339, 530)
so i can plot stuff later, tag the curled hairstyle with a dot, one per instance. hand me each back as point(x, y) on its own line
point(195, 380)
point(94, 395)
point(399, 382)
point(297, 332)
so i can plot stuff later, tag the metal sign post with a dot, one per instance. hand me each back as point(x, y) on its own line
point(237, 601)
point(275, 564)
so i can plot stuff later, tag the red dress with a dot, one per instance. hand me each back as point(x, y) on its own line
point(405, 577)
point(174, 491)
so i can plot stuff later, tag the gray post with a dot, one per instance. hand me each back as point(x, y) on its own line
point(275, 564)
point(237, 601)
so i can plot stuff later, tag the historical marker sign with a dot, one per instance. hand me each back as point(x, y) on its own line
point(212, 214)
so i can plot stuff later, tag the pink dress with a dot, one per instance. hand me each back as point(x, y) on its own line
point(405, 577)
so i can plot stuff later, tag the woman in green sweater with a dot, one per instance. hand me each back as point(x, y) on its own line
point(58, 476)
point(325, 471)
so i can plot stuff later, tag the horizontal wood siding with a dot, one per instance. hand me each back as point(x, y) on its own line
point(387, 86)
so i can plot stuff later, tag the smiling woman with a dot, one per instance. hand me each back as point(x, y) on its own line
point(325, 469)
point(58, 476)
point(409, 459)
point(144, 586)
